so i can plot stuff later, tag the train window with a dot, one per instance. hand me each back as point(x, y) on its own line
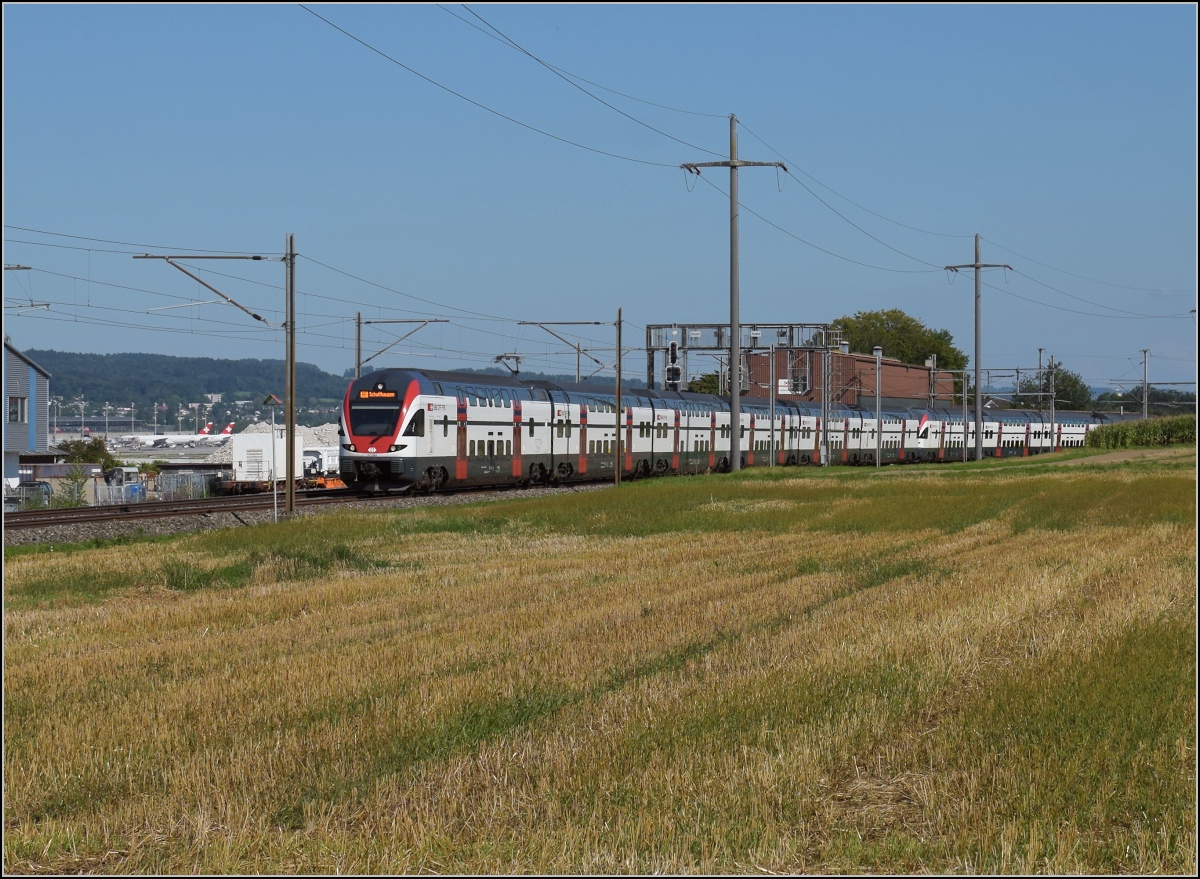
point(508, 448)
point(471, 449)
point(560, 428)
point(491, 448)
point(374, 420)
point(416, 426)
point(568, 428)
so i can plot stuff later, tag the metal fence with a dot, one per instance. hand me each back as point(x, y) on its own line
point(121, 494)
point(187, 485)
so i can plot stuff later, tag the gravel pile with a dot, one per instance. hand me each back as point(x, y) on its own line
point(213, 521)
point(321, 436)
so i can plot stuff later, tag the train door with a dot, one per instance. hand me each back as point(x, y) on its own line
point(460, 456)
point(677, 416)
point(536, 439)
point(564, 450)
point(712, 439)
point(518, 466)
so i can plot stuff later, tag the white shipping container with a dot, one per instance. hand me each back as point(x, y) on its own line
point(255, 461)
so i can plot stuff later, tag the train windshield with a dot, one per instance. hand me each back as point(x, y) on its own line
point(374, 419)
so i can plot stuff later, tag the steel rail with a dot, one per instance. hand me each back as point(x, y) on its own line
point(163, 509)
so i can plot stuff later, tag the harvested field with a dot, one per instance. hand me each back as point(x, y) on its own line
point(917, 671)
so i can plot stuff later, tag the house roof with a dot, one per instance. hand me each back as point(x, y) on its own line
point(9, 347)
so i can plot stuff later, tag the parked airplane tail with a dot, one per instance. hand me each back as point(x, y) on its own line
point(228, 429)
point(207, 429)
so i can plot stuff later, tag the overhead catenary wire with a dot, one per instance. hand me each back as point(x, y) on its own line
point(231, 330)
point(130, 243)
point(187, 301)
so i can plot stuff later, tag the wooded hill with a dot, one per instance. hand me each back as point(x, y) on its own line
point(145, 380)
point(148, 379)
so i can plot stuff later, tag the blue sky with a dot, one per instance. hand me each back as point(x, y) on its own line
point(1064, 135)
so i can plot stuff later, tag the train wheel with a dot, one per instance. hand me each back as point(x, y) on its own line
point(565, 470)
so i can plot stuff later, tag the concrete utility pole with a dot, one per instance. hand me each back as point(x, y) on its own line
point(964, 402)
point(826, 360)
point(289, 505)
point(878, 405)
point(977, 265)
point(1145, 383)
point(620, 408)
point(1041, 379)
point(735, 330)
point(1053, 429)
point(771, 460)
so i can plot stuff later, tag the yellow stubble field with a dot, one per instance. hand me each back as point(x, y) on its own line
point(920, 670)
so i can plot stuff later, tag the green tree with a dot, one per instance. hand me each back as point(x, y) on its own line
point(1070, 390)
point(93, 451)
point(901, 336)
point(704, 384)
point(73, 492)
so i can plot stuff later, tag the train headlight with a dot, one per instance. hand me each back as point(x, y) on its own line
point(398, 447)
point(348, 447)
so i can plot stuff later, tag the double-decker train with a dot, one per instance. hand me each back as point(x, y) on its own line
point(404, 429)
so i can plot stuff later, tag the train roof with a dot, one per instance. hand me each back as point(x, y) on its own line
point(514, 387)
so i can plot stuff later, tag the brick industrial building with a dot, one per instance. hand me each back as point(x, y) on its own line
point(852, 379)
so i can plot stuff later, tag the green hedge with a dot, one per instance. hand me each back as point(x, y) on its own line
point(1152, 432)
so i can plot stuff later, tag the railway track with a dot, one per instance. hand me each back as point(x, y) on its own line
point(162, 509)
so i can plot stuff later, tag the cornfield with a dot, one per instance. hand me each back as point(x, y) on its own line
point(1180, 430)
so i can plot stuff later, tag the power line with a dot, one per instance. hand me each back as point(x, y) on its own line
point(1085, 313)
point(576, 75)
point(844, 198)
point(482, 106)
point(815, 246)
point(68, 246)
point(1085, 278)
point(525, 51)
point(1097, 304)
